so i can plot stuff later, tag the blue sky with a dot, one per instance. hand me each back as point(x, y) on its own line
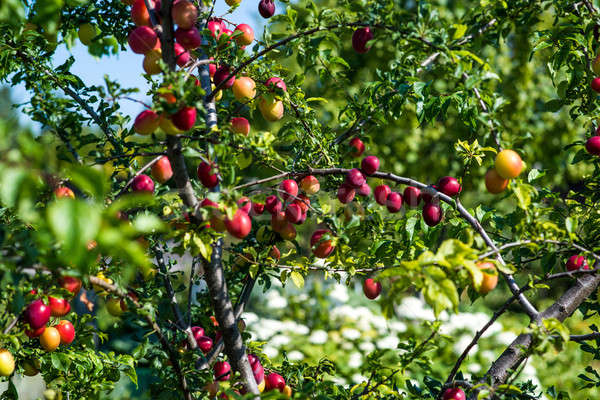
point(126, 67)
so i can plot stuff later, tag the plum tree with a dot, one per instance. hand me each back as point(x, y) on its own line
point(338, 120)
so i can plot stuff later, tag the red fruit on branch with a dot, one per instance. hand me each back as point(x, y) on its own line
point(190, 39)
point(288, 232)
point(412, 196)
point(247, 36)
point(142, 184)
point(394, 202)
point(240, 125)
point(364, 190)
point(593, 145)
point(257, 209)
point(454, 394)
point(321, 248)
point(432, 214)
point(289, 188)
point(244, 204)
point(449, 186)
point(355, 178)
point(266, 8)
point(185, 118)
point(345, 193)
point(576, 262)
point(254, 361)
point(357, 147)
point(66, 330)
point(222, 370)
point(381, 194)
point(161, 170)
point(140, 14)
point(274, 381)
point(273, 205)
point(427, 196)
point(369, 165)
point(259, 374)
point(146, 122)
point(182, 56)
point(215, 26)
point(58, 307)
point(360, 37)
point(310, 185)
point(221, 74)
point(197, 331)
point(204, 343)
point(278, 221)
point(33, 333)
point(240, 225)
point(185, 14)
point(37, 314)
point(208, 203)
point(275, 81)
point(275, 253)
point(595, 85)
point(63, 191)
point(227, 34)
point(207, 175)
point(303, 202)
point(371, 288)
point(142, 39)
point(293, 213)
point(70, 283)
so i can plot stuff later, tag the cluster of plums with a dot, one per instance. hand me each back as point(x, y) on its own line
point(356, 183)
point(271, 382)
point(37, 315)
point(222, 369)
point(144, 40)
point(287, 209)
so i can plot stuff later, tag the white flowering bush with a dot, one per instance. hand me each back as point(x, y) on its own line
point(329, 319)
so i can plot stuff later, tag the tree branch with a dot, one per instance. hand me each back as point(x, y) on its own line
point(173, 300)
point(516, 352)
point(504, 308)
point(527, 306)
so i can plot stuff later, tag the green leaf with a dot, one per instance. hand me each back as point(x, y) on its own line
point(553, 105)
point(244, 160)
point(74, 223)
point(202, 247)
point(147, 223)
point(297, 278)
point(90, 181)
point(60, 361)
point(523, 192)
point(534, 174)
point(475, 272)
point(459, 31)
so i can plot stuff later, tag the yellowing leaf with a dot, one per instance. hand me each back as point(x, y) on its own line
point(297, 278)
